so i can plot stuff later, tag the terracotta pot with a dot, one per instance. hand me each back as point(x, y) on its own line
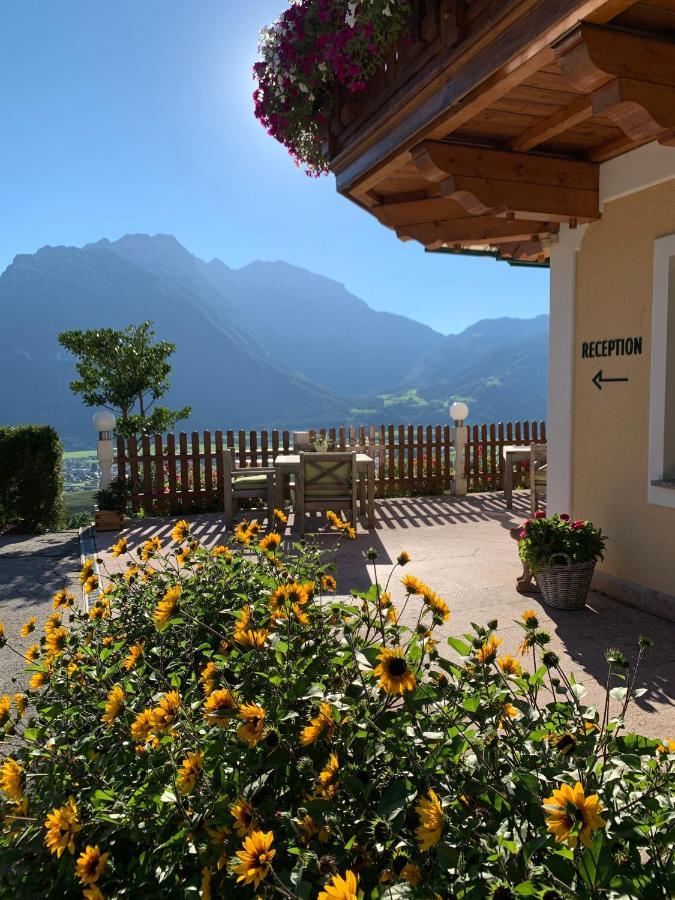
point(108, 520)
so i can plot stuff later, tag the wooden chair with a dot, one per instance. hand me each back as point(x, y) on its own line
point(537, 476)
point(326, 481)
point(245, 484)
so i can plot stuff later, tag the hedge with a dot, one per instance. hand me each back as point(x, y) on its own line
point(31, 479)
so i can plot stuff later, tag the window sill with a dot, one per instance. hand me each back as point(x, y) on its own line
point(668, 483)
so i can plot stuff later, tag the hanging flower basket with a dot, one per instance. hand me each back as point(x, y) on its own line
point(566, 585)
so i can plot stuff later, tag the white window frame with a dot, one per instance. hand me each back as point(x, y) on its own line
point(664, 251)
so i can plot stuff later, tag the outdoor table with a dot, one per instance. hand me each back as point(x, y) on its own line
point(512, 453)
point(289, 464)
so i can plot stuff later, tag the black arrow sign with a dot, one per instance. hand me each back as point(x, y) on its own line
point(598, 380)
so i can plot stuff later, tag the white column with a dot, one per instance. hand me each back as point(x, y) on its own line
point(560, 417)
point(460, 435)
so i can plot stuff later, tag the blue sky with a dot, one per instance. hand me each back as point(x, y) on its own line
point(136, 116)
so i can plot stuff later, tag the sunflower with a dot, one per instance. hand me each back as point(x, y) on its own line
point(183, 555)
point(256, 858)
point(244, 817)
point(11, 779)
point(100, 610)
point(135, 653)
point(270, 542)
point(413, 585)
point(328, 583)
point(53, 621)
point(219, 707)
point(403, 558)
point(28, 627)
point(392, 615)
point(38, 680)
point(250, 637)
point(113, 705)
point(91, 864)
point(166, 711)
point(166, 608)
point(63, 598)
point(529, 617)
point(150, 547)
point(431, 821)
point(322, 722)
point(5, 707)
point(62, 825)
point(87, 570)
point(120, 547)
point(56, 641)
point(32, 653)
point(253, 723)
point(435, 603)
point(509, 665)
point(280, 516)
point(222, 552)
point(327, 778)
point(180, 531)
point(393, 672)
point(92, 892)
point(208, 678)
point(527, 643)
point(142, 727)
point(21, 702)
point(570, 814)
point(91, 584)
point(189, 771)
point(411, 873)
point(339, 888)
point(488, 651)
point(668, 747)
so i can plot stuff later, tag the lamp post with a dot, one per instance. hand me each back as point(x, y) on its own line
point(104, 422)
point(459, 412)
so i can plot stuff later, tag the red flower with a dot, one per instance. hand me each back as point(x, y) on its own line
point(578, 524)
point(540, 514)
point(564, 517)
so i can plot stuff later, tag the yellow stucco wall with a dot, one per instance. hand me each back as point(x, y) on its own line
point(611, 427)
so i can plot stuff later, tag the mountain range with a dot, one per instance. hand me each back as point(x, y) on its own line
point(268, 345)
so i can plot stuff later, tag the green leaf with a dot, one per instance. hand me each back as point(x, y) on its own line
point(460, 646)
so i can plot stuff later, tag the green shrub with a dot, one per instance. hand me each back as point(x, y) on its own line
point(31, 479)
point(218, 725)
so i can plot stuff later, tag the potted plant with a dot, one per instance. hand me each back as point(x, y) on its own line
point(111, 504)
point(562, 555)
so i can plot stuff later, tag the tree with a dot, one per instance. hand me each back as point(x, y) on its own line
point(122, 370)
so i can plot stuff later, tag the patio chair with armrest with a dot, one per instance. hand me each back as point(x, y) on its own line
point(327, 481)
point(245, 484)
point(537, 476)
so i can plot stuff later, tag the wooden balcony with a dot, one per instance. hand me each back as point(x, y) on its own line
point(487, 125)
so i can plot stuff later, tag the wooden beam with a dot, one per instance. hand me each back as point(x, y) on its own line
point(572, 115)
point(463, 87)
point(610, 10)
point(642, 111)
point(502, 183)
point(476, 230)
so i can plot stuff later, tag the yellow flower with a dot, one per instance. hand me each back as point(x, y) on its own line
point(322, 722)
point(53, 621)
point(509, 665)
point(328, 583)
point(56, 641)
point(20, 701)
point(87, 570)
point(392, 615)
point(385, 600)
point(527, 642)
point(166, 607)
point(570, 814)
point(62, 825)
point(28, 627)
point(219, 707)
point(149, 548)
point(180, 531)
point(412, 874)
point(120, 547)
point(431, 821)
point(280, 516)
point(166, 711)
point(92, 892)
point(270, 542)
point(247, 636)
point(142, 726)
point(5, 707)
point(669, 747)
point(339, 888)
point(208, 678)
point(529, 616)
point(256, 858)
point(135, 653)
point(32, 653)
point(189, 771)
point(327, 778)
point(130, 573)
point(435, 603)
point(488, 651)
point(38, 680)
point(218, 835)
point(393, 672)
point(413, 585)
point(11, 779)
point(244, 817)
point(91, 584)
point(182, 556)
point(253, 727)
point(63, 598)
point(221, 551)
point(100, 610)
point(403, 558)
point(91, 864)
point(114, 703)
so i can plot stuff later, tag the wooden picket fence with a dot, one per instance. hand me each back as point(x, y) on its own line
point(184, 473)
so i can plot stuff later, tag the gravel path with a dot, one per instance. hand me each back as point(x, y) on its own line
point(32, 569)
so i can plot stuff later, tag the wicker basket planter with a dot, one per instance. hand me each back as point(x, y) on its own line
point(565, 586)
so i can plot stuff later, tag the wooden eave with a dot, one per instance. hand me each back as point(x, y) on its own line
point(488, 128)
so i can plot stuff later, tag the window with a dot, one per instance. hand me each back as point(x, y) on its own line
point(661, 486)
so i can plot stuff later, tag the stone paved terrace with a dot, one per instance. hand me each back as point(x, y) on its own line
point(462, 548)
